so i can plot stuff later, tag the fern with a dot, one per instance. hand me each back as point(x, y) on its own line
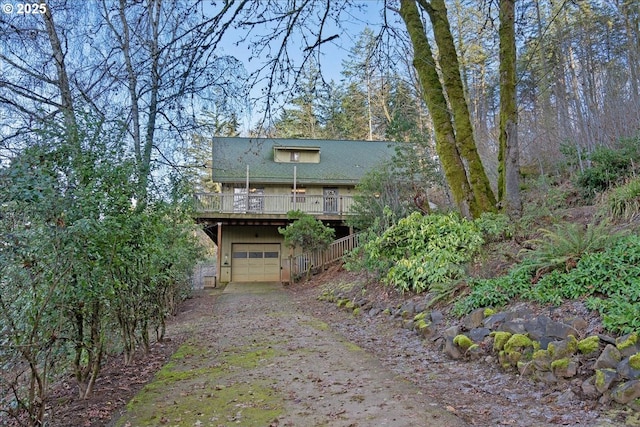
point(564, 246)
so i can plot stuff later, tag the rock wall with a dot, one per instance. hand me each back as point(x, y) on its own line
point(565, 354)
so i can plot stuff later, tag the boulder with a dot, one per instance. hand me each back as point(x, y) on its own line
point(604, 379)
point(609, 358)
point(424, 329)
point(493, 321)
point(473, 319)
point(437, 317)
point(451, 349)
point(564, 368)
point(475, 352)
point(541, 360)
point(520, 313)
point(628, 344)
point(626, 392)
point(559, 330)
point(626, 371)
point(536, 328)
point(589, 389)
point(478, 334)
point(513, 327)
point(561, 349)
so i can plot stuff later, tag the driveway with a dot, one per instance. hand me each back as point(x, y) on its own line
point(254, 357)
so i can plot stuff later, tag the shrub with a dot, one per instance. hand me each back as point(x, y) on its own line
point(306, 232)
point(609, 280)
point(420, 251)
point(494, 226)
point(609, 166)
point(624, 201)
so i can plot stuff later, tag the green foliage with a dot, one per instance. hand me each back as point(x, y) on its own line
point(79, 262)
point(609, 167)
point(306, 232)
point(495, 292)
point(358, 259)
point(609, 279)
point(421, 251)
point(624, 201)
point(383, 196)
point(494, 226)
point(565, 245)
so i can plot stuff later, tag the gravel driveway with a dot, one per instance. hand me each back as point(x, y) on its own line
point(254, 357)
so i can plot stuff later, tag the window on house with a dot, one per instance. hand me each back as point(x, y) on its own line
point(299, 194)
point(295, 156)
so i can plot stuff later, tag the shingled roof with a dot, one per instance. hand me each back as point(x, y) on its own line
point(341, 162)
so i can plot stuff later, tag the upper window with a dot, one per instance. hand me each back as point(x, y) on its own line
point(299, 154)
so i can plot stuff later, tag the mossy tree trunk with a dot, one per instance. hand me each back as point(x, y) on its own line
point(448, 106)
point(508, 157)
point(448, 60)
point(434, 97)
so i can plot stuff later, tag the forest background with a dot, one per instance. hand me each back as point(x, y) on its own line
point(108, 108)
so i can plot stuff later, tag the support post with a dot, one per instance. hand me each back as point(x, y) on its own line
point(219, 256)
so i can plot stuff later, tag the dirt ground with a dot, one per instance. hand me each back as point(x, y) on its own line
point(279, 357)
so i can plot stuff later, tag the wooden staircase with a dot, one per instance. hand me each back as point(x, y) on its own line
point(316, 261)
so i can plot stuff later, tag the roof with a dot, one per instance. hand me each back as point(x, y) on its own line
point(341, 162)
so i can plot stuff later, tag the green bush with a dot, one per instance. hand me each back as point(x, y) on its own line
point(494, 226)
point(420, 251)
point(624, 201)
point(609, 167)
point(609, 279)
point(306, 232)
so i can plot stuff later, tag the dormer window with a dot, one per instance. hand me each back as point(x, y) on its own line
point(296, 154)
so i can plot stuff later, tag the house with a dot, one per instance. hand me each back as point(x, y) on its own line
point(260, 180)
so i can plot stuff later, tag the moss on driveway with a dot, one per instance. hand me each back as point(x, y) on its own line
point(255, 358)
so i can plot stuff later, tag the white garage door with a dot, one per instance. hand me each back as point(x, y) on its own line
point(255, 262)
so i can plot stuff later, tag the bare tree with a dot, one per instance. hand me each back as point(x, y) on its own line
point(508, 156)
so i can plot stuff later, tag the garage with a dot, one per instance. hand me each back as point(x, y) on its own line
point(255, 262)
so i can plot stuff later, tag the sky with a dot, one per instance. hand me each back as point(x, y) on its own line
point(333, 53)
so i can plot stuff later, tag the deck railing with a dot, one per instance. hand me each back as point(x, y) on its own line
point(272, 204)
point(307, 261)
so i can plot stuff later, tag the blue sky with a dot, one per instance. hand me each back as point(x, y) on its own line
point(333, 53)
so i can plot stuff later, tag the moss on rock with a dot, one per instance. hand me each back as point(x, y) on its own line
point(540, 354)
point(463, 341)
point(630, 340)
point(589, 344)
point(488, 312)
point(560, 363)
point(634, 361)
point(517, 341)
point(499, 339)
point(599, 381)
